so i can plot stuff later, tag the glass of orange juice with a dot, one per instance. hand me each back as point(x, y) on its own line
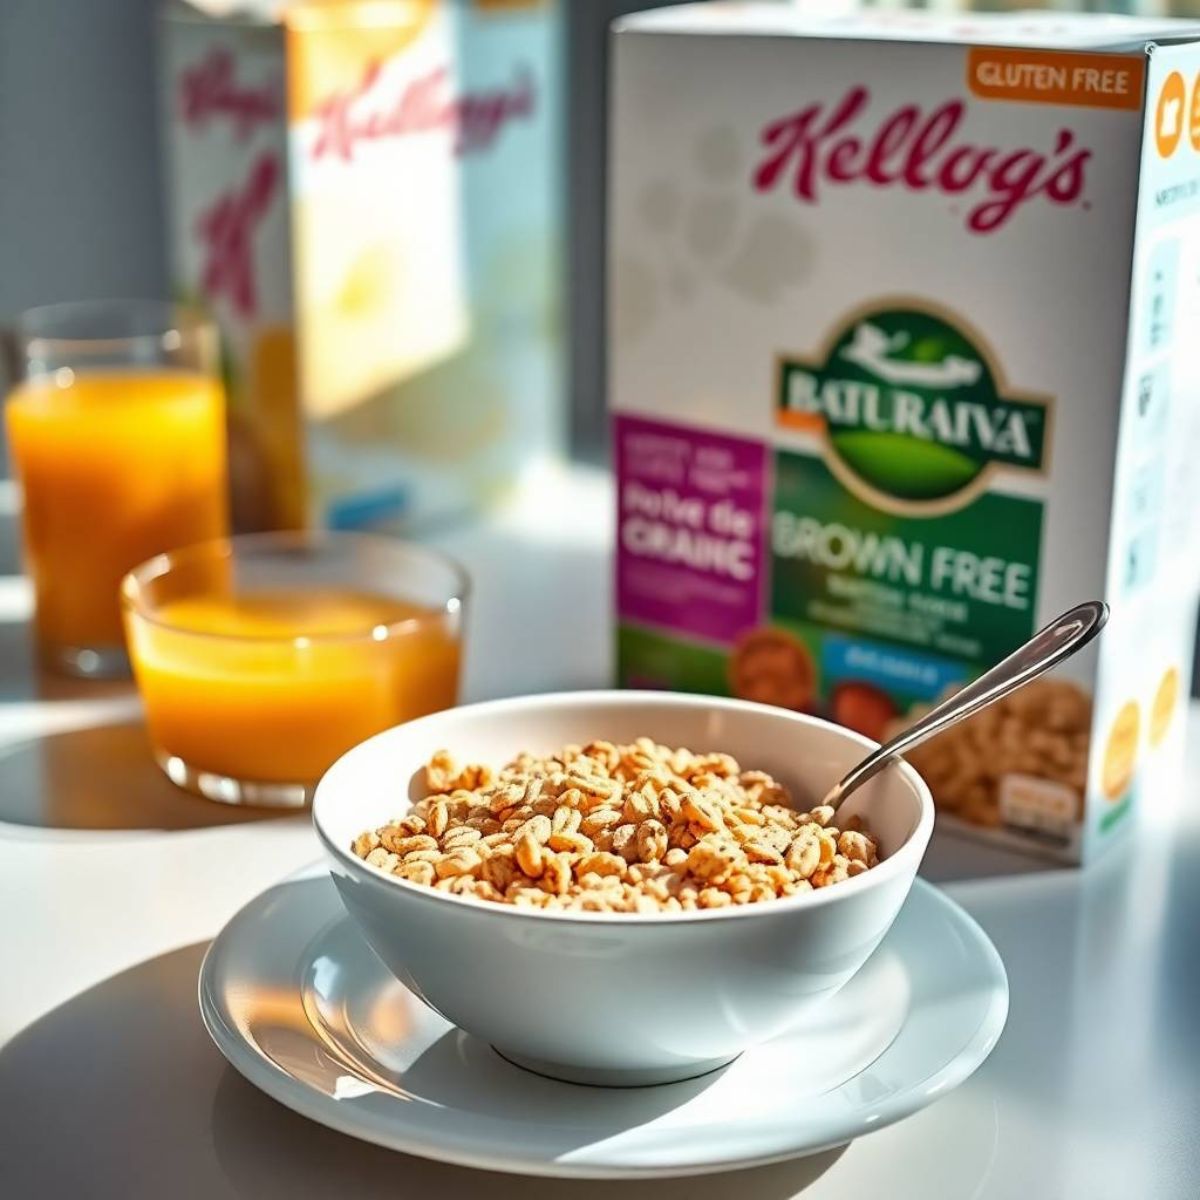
point(116, 430)
point(262, 658)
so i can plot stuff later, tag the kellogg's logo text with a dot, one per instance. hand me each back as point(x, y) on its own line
point(828, 146)
point(349, 118)
point(226, 229)
point(210, 90)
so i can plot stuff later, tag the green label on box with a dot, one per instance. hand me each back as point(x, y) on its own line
point(650, 660)
point(962, 585)
point(912, 409)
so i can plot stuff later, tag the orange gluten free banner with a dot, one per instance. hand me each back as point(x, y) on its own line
point(1048, 77)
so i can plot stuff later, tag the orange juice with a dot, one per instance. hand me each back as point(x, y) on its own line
point(272, 685)
point(117, 466)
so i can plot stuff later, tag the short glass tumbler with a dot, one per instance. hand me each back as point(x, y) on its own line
point(261, 659)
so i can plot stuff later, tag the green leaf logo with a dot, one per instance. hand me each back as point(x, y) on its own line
point(910, 407)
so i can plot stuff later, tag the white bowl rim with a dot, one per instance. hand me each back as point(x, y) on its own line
point(887, 869)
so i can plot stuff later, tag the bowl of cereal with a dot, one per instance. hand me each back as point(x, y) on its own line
point(620, 888)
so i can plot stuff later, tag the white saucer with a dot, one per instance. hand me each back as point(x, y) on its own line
point(304, 1010)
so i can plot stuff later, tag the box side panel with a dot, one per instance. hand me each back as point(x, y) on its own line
point(1154, 562)
point(514, 182)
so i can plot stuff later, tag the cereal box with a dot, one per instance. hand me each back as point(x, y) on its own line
point(901, 366)
point(365, 194)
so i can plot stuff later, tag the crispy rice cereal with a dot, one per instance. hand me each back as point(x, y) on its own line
point(604, 828)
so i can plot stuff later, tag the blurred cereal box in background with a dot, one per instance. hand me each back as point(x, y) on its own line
point(357, 187)
point(884, 399)
point(448, 438)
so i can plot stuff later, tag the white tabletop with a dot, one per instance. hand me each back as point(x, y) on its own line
point(112, 883)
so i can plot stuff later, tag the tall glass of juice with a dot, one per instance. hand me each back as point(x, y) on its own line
point(116, 431)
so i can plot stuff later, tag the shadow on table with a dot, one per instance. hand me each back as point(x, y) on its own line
point(22, 679)
point(954, 857)
point(103, 777)
point(118, 1092)
point(255, 1141)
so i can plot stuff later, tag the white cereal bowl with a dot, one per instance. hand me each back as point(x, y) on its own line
point(619, 998)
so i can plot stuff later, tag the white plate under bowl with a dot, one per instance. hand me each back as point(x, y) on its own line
point(304, 1010)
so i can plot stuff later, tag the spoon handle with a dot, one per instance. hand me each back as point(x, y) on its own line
point(1047, 648)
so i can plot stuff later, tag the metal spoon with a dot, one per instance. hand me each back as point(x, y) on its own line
point(1047, 648)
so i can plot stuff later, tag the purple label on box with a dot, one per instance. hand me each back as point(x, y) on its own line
point(690, 525)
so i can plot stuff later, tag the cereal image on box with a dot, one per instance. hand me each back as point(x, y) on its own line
point(772, 667)
point(933, 411)
point(1036, 738)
